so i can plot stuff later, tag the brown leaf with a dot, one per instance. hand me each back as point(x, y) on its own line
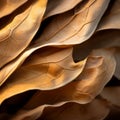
point(67, 111)
point(73, 111)
point(20, 31)
point(101, 39)
point(96, 74)
point(111, 20)
point(112, 94)
point(56, 7)
point(43, 73)
point(8, 6)
point(117, 57)
point(75, 26)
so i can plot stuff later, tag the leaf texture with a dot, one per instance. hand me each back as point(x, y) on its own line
point(112, 95)
point(56, 7)
point(74, 28)
point(69, 111)
point(8, 6)
point(42, 74)
point(111, 18)
point(14, 34)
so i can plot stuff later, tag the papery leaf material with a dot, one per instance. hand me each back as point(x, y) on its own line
point(117, 57)
point(73, 27)
point(96, 74)
point(20, 31)
point(69, 111)
point(12, 66)
point(56, 7)
point(72, 111)
point(101, 39)
point(111, 20)
point(8, 6)
point(43, 75)
point(112, 94)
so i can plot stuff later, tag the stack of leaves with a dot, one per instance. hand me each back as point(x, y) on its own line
point(59, 59)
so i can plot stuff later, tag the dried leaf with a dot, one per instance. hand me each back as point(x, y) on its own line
point(102, 39)
point(43, 74)
point(69, 28)
point(117, 57)
point(112, 94)
point(56, 7)
point(96, 74)
point(111, 19)
point(75, 111)
point(14, 34)
point(8, 6)
point(67, 111)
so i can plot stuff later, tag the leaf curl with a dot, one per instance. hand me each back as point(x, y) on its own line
point(14, 34)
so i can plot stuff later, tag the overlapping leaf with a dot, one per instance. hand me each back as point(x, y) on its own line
point(56, 7)
point(43, 73)
point(8, 6)
point(62, 88)
point(75, 26)
point(111, 19)
point(112, 94)
point(69, 111)
point(16, 36)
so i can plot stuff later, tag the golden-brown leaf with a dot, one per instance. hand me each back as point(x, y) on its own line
point(43, 73)
point(96, 74)
point(111, 20)
point(16, 36)
point(8, 6)
point(75, 26)
point(101, 39)
point(56, 7)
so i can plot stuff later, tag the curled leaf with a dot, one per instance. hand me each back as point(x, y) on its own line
point(65, 111)
point(111, 20)
point(8, 6)
point(20, 31)
point(112, 94)
point(43, 74)
point(73, 27)
point(56, 7)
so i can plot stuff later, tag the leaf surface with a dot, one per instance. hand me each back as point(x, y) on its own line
point(20, 31)
point(43, 73)
point(8, 6)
